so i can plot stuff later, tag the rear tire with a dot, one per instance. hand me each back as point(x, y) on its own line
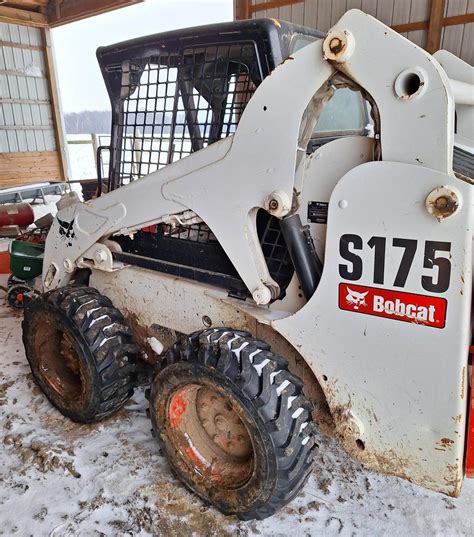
point(233, 422)
point(80, 352)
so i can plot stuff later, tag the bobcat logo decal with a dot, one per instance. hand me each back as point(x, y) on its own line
point(66, 230)
point(355, 299)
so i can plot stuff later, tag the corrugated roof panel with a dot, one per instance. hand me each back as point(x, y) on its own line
point(4, 90)
point(22, 87)
point(30, 140)
point(25, 110)
point(36, 115)
point(4, 148)
point(14, 33)
point(39, 140)
point(13, 86)
point(8, 58)
point(32, 88)
point(27, 57)
point(27, 116)
point(369, 7)
point(49, 140)
point(38, 60)
point(12, 141)
point(35, 36)
point(4, 32)
point(46, 114)
point(24, 36)
point(42, 90)
point(467, 45)
point(21, 140)
point(8, 114)
point(18, 59)
point(17, 115)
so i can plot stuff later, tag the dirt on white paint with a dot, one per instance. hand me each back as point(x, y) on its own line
point(59, 478)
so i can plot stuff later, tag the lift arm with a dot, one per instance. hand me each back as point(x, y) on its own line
point(226, 183)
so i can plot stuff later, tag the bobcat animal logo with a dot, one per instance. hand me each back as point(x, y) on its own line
point(356, 299)
point(66, 230)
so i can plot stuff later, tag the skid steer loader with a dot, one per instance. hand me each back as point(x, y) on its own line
point(282, 248)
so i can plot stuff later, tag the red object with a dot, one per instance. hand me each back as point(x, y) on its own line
point(424, 310)
point(19, 214)
point(176, 409)
point(469, 464)
point(4, 262)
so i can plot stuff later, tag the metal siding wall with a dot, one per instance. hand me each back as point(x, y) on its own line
point(459, 39)
point(322, 14)
point(26, 118)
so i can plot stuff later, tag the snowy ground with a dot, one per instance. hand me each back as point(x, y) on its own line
point(61, 479)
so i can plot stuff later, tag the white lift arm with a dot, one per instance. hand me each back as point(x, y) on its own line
point(225, 183)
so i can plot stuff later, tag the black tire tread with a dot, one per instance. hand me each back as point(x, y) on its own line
point(265, 380)
point(109, 341)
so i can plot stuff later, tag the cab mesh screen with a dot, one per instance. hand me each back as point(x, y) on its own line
point(179, 102)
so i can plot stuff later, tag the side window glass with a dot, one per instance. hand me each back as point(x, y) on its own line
point(344, 112)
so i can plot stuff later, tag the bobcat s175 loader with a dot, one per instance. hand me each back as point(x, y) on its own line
point(281, 242)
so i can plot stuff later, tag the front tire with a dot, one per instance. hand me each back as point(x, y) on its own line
point(80, 352)
point(233, 422)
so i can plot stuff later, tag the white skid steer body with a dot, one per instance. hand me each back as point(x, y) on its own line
point(387, 332)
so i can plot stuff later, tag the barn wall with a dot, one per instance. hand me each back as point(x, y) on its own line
point(322, 14)
point(28, 147)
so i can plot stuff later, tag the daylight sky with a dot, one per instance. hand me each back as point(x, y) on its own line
point(80, 81)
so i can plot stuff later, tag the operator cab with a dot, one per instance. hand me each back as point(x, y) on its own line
point(175, 93)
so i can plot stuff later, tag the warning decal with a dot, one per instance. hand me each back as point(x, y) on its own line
point(412, 308)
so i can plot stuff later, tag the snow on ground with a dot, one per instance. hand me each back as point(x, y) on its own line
point(64, 479)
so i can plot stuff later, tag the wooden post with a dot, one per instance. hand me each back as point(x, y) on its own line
point(61, 141)
point(433, 39)
point(242, 9)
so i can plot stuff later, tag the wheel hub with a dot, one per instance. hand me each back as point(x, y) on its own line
point(222, 424)
point(210, 436)
point(59, 363)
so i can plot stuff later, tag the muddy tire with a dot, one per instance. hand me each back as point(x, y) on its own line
point(80, 352)
point(233, 422)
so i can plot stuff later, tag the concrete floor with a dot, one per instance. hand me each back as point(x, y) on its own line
point(62, 479)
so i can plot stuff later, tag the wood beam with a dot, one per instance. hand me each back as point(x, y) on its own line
point(411, 27)
point(14, 15)
point(272, 4)
point(458, 19)
point(61, 141)
point(242, 9)
point(423, 25)
point(19, 45)
point(433, 39)
point(32, 4)
point(64, 11)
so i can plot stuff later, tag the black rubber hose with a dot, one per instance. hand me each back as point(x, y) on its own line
point(308, 266)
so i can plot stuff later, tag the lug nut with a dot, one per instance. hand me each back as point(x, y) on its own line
point(220, 422)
